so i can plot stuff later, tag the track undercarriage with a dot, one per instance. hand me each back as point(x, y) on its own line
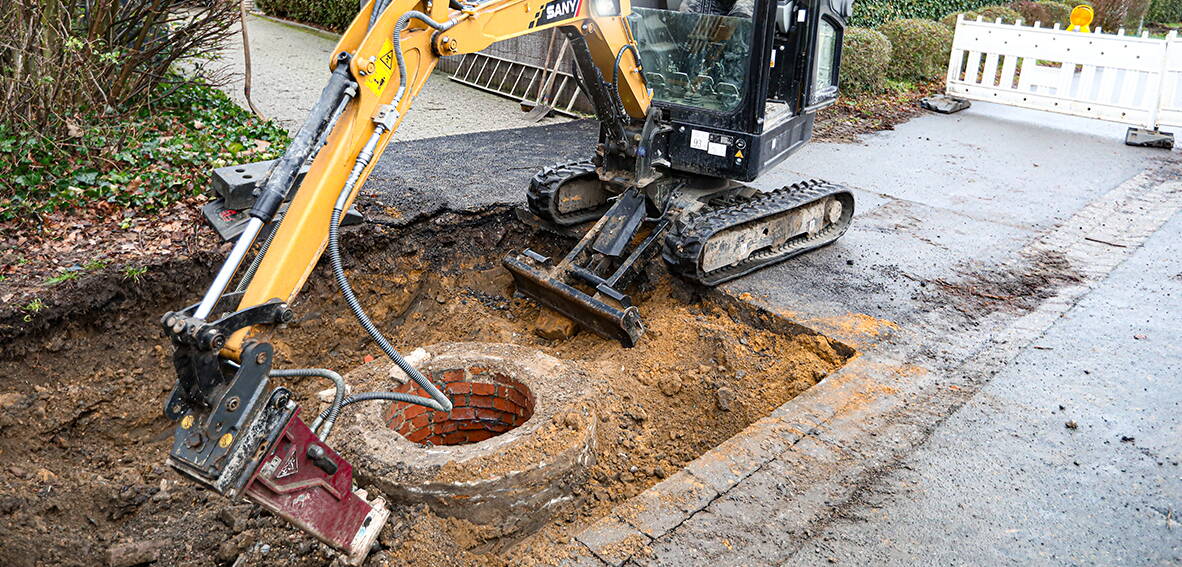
point(707, 230)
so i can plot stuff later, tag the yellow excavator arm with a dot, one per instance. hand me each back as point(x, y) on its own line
point(237, 434)
point(667, 176)
point(302, 236)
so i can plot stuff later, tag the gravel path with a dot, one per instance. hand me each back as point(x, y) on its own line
point(290, 67)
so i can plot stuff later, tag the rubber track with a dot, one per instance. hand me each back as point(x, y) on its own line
point(682, 250)
point(542, 196)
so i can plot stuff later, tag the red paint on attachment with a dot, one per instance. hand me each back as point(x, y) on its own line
point(295, 488)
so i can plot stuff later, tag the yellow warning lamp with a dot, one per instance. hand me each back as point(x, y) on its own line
point(1081, 17)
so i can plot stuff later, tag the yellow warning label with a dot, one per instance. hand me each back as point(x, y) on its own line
point(738, 153)
point(383, 69)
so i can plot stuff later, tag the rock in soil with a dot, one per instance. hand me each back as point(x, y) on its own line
point(230, 549)
point(723, 398)
point(235, 517)
point(670, 384)
point(134, 553)
point(554, 326)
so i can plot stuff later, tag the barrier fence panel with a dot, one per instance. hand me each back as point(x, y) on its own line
point(1132, 80)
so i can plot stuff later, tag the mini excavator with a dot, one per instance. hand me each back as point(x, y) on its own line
point(693, 97)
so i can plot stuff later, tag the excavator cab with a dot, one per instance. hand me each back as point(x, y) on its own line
point(734, 87)
point(740, 81)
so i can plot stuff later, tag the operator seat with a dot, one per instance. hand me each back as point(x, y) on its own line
point(735, 8)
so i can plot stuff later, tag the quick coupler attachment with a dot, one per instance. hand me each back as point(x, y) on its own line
point(238, 437)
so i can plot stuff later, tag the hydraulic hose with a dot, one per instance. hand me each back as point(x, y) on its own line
point(369, 396)
point(258, 257)
point(330, 415)
point(616, 73)
point(398, 27)
point(437, 401)
point(323, 424)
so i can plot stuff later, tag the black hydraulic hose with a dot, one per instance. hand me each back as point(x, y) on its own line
point(379, 6)
point(438, 400)
point(258, 258)
point(398, 27)
point(616, 72)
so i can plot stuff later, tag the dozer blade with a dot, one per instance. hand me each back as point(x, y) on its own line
point(601, 318)
point(721, 243)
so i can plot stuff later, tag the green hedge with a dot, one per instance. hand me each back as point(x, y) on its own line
point(1164, 12)
point(988, 14)
point(873, 13)
point(1060, 11)
point(920, 49)
point(865, 58)
point(335, 15)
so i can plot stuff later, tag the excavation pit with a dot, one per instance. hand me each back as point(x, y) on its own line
point(710, 364)
point(514, 450)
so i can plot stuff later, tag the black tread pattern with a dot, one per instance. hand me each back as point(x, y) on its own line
point(542, 196)
point(683, 245)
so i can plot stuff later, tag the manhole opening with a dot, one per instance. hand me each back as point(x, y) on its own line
point(487, 403)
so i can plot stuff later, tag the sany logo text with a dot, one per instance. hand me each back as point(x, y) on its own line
point(562, 9)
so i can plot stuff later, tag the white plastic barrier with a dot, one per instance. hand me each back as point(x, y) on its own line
point(1135, 80)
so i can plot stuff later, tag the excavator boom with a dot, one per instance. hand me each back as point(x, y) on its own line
point(235, 432)
point(712, 94)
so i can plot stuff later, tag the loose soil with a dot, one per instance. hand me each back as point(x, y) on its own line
point(1017, 287)
point(83, 439)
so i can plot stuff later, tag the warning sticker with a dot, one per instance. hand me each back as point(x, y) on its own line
point(290, 466)
point(383, 69)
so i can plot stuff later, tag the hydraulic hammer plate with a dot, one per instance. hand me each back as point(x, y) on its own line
point(308, 484)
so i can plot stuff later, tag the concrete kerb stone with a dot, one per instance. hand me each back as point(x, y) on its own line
point(664, 506)
point(736, 458)
point(613, 540)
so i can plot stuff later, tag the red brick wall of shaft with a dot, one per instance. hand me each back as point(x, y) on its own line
point(486, 403)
